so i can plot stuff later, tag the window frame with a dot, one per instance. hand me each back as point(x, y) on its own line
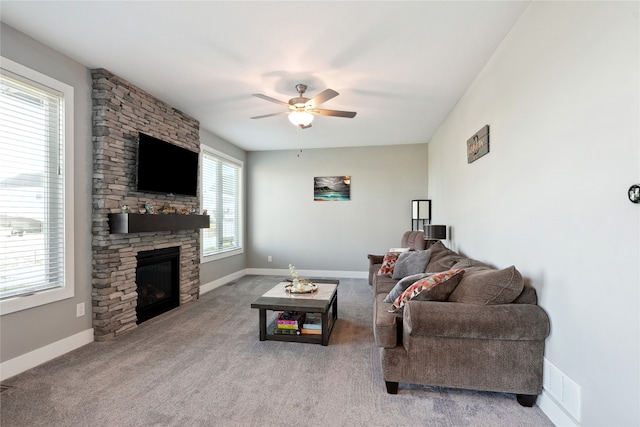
point(67, 288)
point(240, 217)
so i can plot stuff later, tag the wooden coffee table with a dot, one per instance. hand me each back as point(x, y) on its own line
point(323, 301)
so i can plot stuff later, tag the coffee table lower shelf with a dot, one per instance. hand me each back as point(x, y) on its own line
point(304, 338)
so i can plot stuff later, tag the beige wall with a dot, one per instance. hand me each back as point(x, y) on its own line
point(285, 222)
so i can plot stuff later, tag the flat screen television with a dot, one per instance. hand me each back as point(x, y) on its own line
point(165, 168)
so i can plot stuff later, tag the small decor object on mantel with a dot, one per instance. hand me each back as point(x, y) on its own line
point(168, 209)
point(478, 145)
point(149, 207)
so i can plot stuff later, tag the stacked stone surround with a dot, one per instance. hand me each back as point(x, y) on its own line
point(120, 111)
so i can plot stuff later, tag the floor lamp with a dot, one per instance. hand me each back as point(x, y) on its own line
point(420, 214)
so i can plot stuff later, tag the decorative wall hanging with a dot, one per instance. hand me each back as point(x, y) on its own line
point(332, 188)
point(478, 145)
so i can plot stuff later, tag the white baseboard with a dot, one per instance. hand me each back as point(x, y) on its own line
point(279, 272)
point(222, 281)
point(554, 411)
point(39, 356)
point(309, 273)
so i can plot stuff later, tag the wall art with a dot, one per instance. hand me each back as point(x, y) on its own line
point(332, 188)
point(478, 145)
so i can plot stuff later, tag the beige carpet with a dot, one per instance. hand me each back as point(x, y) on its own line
point(203, 365)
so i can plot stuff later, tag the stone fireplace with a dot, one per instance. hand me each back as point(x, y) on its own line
point(120, 111)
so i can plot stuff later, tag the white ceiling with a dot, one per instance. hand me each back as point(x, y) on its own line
point(401, 66)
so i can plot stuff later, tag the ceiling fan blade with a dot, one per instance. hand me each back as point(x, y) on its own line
point(335, 113)
point(323, 96)
point(268, 98)
point(269, 115)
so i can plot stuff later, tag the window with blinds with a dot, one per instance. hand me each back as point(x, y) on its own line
point(32, 184)
point(222, 198)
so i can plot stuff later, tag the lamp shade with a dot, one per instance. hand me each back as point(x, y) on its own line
point(435, 232)
point(420, 209)
point(300, 118)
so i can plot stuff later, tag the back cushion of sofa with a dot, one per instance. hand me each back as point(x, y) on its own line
point(484, 286)
point(442, 258)
point(527, 296)
point(413, 240)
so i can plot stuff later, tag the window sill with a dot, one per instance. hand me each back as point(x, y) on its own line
point(26, 302)
point(216, 257)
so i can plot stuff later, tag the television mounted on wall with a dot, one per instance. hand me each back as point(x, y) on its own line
point(165, 168)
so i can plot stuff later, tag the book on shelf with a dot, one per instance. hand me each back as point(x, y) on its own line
point(312, 321)
point(290, 320)
point(279, 331)
point(311, 331)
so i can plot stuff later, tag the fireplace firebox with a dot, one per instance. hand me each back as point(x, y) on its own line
point(158, 282)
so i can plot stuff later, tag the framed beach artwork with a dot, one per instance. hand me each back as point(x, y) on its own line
point(332, 188)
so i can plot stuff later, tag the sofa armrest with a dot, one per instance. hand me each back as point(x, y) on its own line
point(526, 322)
point(375, 259)
point(386, 326)
point(375, 262)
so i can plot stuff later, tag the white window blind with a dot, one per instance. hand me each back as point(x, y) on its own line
point(221, 197)
point(32, 184)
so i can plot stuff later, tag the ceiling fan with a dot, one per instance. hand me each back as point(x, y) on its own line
point(301, 110)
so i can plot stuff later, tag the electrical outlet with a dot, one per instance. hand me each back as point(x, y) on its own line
point(80, 310)
point(269, 258)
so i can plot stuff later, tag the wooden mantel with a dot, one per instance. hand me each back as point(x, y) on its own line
point(140, 223)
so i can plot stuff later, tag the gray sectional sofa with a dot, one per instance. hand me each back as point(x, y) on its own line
point(482, 330)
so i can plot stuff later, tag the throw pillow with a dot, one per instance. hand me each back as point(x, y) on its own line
point(411, 263)
point(485, 287)
point(448, 279)
point(388, 264)
point(399, 250)
point(403, 284)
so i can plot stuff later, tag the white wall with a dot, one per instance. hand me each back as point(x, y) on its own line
point(285, 222)
point(561, 96)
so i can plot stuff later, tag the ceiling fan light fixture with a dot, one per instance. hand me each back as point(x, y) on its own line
point(300, 118)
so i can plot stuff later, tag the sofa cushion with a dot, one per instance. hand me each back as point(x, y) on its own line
point(409, 263)
point(527, 296)
point(488, 286)
point(442, 258)
point(467, 263)
point(413, 240)
point(430, 287)
point(383, 284)
point(403, 284)
point(388, 264)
